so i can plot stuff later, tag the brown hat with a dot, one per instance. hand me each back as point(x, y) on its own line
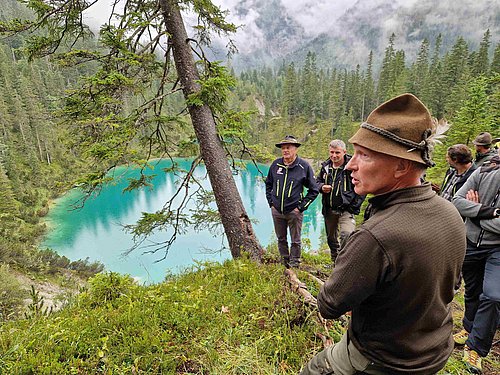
point(288, 140)
point(399, 127)
point(483, 139)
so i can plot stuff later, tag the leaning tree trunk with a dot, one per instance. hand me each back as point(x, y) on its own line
point(238, 228)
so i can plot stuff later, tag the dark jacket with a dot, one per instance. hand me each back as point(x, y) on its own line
point(396, 274)
point(483, 158)
point(452, 172)
point(285, 185)
point(340, 179)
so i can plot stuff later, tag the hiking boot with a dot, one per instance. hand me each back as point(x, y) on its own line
point(461, 337)
point(472, 360)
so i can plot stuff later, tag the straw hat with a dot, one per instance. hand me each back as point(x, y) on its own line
point(399, 127)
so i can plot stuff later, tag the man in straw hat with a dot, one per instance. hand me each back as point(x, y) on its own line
point(397, 272)
point(285, 184)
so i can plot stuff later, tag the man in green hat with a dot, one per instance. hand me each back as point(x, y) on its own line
point(484, 150)
point(397, 272)
point(285, 183)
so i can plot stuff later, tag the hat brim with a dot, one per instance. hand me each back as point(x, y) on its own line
point(375, 142)
point(287, 143)
point(481, 143)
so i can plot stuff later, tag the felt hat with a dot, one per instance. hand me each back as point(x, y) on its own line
point(399, 127)
point(483, 139)
point(288, 140)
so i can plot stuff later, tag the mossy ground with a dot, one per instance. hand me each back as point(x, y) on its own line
point(234, 318)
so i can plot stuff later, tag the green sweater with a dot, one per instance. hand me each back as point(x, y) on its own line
point(397, 273)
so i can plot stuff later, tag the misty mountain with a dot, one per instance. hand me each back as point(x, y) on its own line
point(345, 38)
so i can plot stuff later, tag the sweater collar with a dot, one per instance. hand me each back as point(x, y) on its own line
point(404, 195)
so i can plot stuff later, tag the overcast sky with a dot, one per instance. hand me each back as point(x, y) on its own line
point(315, 16)
point(318, 16)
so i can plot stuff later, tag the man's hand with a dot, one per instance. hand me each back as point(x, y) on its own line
point(296, 210)
point(326, 188)
point(472, 196)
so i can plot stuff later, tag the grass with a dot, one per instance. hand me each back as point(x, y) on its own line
point(234, 318)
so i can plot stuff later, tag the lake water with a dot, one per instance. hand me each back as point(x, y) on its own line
point(96, 230)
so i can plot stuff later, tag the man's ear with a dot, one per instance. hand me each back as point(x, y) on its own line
point(403, 168)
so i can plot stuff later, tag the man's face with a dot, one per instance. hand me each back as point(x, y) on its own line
point(481, 149)
point(450, 161)
point(288, 151)
point(337, 155)
point(372, 172)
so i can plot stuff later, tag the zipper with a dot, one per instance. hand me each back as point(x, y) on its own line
point(290, 190)
point(283, 193)
point(334, 177)
point(277, 188)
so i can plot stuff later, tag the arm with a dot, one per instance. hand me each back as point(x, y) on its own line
point(346, 289)
point(312, 190)
point(269, 186)
point(320, 180)
point(491, 225)
point(466, 207)
point(488, 218)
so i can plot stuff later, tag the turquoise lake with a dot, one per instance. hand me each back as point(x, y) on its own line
point(96, 230)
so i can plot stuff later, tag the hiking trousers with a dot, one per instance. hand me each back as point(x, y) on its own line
point(282, 223)
point(339, 225)
point(342, 358)
point(481, 273)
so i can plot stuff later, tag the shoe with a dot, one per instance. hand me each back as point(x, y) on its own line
point(472, 360)
point(461, 337)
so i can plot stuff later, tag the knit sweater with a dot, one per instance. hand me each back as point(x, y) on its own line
point(397, 273)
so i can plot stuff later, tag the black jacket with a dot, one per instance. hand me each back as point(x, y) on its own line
point(341, 179)
point(285, 185)
point(450, 173)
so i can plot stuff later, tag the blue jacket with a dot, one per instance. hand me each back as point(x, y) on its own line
point(285, 185)
point(341, 180)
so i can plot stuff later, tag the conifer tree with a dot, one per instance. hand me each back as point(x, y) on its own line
point(495, 64)
point(386, 77)
point(419, 84)
point(474, 115)
point(436, 101)
point(369, 101)
point(481, 61)
point(290, 97)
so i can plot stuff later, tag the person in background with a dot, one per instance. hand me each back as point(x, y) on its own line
point(285, 183)
point(484, 151)
point(479, 201)
point(340, 202)
point(397, 271)
point(459, 158)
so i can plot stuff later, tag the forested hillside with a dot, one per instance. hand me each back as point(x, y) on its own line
point(37, 163)
point(461, 85)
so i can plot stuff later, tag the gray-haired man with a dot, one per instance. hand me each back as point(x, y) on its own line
point(285, 183)
point(340, 201)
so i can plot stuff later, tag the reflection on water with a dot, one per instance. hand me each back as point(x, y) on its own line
point(95, 231)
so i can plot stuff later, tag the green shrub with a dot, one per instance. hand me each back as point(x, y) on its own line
point(11, 294)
